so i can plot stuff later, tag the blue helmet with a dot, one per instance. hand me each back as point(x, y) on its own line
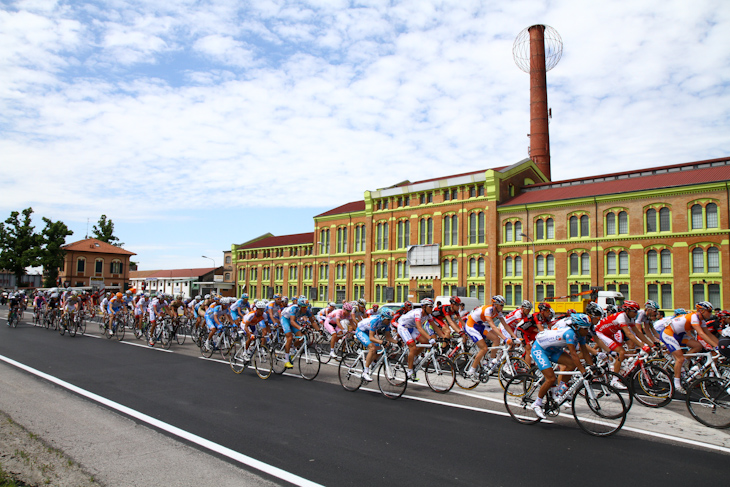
point(652, 305)
point(386, 314)
point(302, 302)
point(680, 311)
point(580, 320)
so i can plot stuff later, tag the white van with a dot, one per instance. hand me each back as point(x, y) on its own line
point(609, 297)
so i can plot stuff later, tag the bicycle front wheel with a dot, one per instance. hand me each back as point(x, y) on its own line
point(120, 330)
point(708, 401)
point(350, 373)
point(439, 374)
point(392, 380)
point(461, 366)
point(652, 386)
point(508, 370)
point(278, 361)
point(262, 361)
point(599, 411)
point(309, 363)
point(237, 358)
point(519, 394)
point(82, 326)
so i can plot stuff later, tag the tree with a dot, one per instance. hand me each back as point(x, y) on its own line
point(52, 255)
point(105, 231)
point(19, 244)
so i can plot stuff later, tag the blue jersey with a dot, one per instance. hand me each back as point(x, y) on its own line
point(371, 323)
point(559, 338)
point(294, 312)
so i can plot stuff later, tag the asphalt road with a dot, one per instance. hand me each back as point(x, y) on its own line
point(322, 433)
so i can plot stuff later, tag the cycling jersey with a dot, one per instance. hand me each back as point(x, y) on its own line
point(250, 320)
point(611, 324)
point(292, 314)
point(373, 323)
point(480, 314)
point(114, 305)
point(549, 345)
point(516, 318)
point(275, 311)
point(213, 312)
point(676, 329)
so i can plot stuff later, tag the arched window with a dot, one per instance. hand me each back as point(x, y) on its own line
point(550, 265)
point(651, 262)
point(425, 231)
point(666, 261)
point(574, 265)
point(623, 262)
point(451, 230)
point(610, 224)
point(711, 215)
point(611, 263)
point(573, 224)
point(651, 220)
point(664, 220)
point(584, 224)
point(508, 232)
point(698, 260)
point(540, 265)
point(585, 264)
point(508, 266)
point(539, 230)
point(81, 265)
point(518, 266)
point(518, 231)
point(623, 223)
point(550, 228)
point(713, 259)
point(696, 217)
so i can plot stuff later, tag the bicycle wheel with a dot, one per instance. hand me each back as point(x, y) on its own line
point(652, 386)
point(62, 326)
point(392, 380)
point(225, 345)
point(237, 358)
point(461, 364)
point(262, 361)
point(72, 327)
point(46, 321)
point(507, 372)
point(322, 345)
point(205, 352)
point(608, 377)
point(440, 374)
point(278, 359)
point(600, 411)
point(309, 363)
point(708, 401)
point(182, 333)
point(119, 333)
point(519, 394)
point(350, 373)
point(165, 337)
point(82, 325)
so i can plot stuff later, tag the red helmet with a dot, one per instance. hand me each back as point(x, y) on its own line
point(544, 306)
point(455, 300)
point(631, 305)
point(408, 305)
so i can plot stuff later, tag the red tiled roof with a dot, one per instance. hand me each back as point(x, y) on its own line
point(346, 208)
point(95, 245)
point(294, 239)
point(616, 183)
point(172, 273)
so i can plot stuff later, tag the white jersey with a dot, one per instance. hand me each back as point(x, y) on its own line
point(414, 316)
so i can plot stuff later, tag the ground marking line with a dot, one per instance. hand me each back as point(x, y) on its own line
point(173, 430)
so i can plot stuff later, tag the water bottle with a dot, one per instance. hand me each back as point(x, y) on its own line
point(563, 387)
point(694, 371)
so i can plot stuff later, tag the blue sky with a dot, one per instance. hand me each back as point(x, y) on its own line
point(197, 124)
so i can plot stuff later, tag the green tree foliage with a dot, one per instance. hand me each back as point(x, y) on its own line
point(51, 258)
point(105, 231)
point(19, 244)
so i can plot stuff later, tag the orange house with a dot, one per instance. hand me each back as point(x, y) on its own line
point(94, 263)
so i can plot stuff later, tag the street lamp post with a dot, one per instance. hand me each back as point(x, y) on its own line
point(211, 258)
point(534, 289)
point(321, 248)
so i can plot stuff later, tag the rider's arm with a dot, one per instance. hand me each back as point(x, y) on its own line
point(706, 335)
point(576, 360)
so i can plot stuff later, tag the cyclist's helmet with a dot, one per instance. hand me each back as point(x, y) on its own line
point(426, 302)
point(651, 304)
point(498, 299)
point(376, 306)
point(680, 311)
point(207, 296)
point(593, 309)
point(347, 307)
point(199, 297)
point(362, 302)
point(302, 302)
point(408, 305)
point(723, 314)
point(704, 305)
point(631, 305)
point(580, 320)
point(331, 304)
point(260, 304)
point(544, 306)
point(386, 314)
point(244, 296)
point(526, 304)
point(454, 300)
point(119, 295)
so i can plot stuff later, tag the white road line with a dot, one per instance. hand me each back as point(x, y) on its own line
point(173, 430)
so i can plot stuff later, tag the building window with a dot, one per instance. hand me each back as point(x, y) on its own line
point(573, 226)
point(544, 229)
point(324, 241)
point(664, 224)
point(381, 236)
point(703, 217)
point(706, 292)
point(539, 230)
point(702, 264)
point(81, 265)
point(404, 234)
point(99, 266)
point(513, 266)
point(580, 264)
point(711, 215)
point(425, 231)
point(450, 268)
point(696, 217)
point(342, 240)
point(116, 267)
point(477, 291)
point(476, 267)
point(381, 270)
point(659, 261)
point(360, 238)
point(451, 230)
point(476, 228)
point(508, 232)
point(513, 295)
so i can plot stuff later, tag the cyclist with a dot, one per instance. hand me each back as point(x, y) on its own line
point(675, 332)
point(252, 321)
point(515, 319)
point(155, 308)
point(290, 323)
point(14, 306)
point(322, 313)
point(610, 338)
point(214, 317)
point(549, 347)
point(140, 305)
point(366, 333)
point(447, 315)
point(407, 306)
point(112, 308)
point(481, 324)
point(359, 310)
point(38, 304)
point(337, 324)
point(373, 310)
point(533, 325)
point(72, 306)
point(645, 318)
point(412, 327)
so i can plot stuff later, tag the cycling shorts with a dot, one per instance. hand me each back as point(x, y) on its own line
point(212, 325)
point(613, 342)
point(408, 335)
point(286, 324)
point(545, 357)
point(673, 342)
point(234, 315)
point(476, 332)
point(138, 312)
point(364, 338)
